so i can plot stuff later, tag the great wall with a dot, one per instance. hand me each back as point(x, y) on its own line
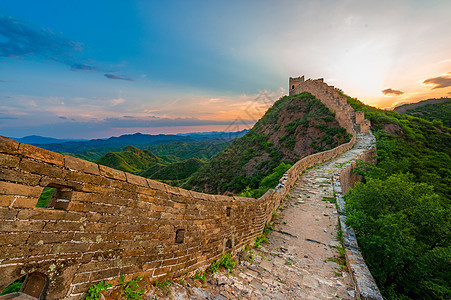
point(103, 223)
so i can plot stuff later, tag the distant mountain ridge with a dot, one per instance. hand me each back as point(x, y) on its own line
point(434, 110)
point(93, 149)
point(38, 140)
point(404, 107)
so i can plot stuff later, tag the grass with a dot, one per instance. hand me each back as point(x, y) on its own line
point(199, 276)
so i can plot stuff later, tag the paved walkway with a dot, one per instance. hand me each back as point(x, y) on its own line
point(300, 261)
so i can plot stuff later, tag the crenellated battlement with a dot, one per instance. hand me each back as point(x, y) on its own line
point(333, 99)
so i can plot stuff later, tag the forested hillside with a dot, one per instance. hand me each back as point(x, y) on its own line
point(292, 128)
point(401, 213)
point(438, 112)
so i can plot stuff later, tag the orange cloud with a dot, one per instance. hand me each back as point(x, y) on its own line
point(392, 92)
point(439, 82)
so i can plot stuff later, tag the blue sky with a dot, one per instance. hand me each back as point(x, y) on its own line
point(90, 69)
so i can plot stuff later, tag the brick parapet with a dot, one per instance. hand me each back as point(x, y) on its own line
point(343, 180)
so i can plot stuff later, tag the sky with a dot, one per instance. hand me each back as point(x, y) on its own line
point(95, 69)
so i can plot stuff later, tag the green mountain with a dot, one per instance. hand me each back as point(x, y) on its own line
point(176, 171)
point(438, 112)
point(183, 150)
point(131, 160)
point(202, 145)
point(292, 128)
point(401, 213)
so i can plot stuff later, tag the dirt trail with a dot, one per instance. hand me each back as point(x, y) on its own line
point(300, 260)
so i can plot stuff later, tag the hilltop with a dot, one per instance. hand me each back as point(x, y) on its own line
point(408, 106)
point(294, 127)
point(437, 110)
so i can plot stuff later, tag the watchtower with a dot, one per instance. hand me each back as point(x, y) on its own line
point(294, 84)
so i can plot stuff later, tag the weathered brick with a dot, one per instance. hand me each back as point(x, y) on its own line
point(147, 198)
point(70, 248)
point(98, 227)
point(60, 225)
point(172, 189)
point(112, 173)
point(8, 213)
point(23, 251)
point(153, 184)
point(8, 188)
point(80, 278)
point(50, 238)
point(13, 239)
point(75, 206)
point(81, 165)
point(25, 202)
point(104, 246)
point(41, 168)
point(6, 201)
point(41, 154)
point(8, 145)
point(51, 181)
point(86, 178)
point(21, 226)
point(124, 185)
point(9, 160)
point(93, 188)
point(39, 213)
point(145, 190)
point(134, 179)
point(125, 194)
point(104, 274)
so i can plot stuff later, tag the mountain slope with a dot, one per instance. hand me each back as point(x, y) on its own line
point(177, 171)
point(439, 111)
point(401, 213)
point(292, 128)
point(131, 160)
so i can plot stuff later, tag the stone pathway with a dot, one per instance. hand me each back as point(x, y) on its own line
point(300, 261)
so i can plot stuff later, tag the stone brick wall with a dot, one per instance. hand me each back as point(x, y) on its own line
point(106, 223)
point(366, 287)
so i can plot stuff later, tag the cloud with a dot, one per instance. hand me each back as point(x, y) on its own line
point(62, 118)
point(23, 40)
point(83, 67)
point(2, 81)
point(153, 121)
point(439, 82)
point(19, 39)
point(118, 77)
point(392, 92)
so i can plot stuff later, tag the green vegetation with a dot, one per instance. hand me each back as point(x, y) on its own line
point(292, 128)
point(401, 212)
point(95, 291)
point(226, 261)
point(14, 287)
point(130, 159)
point(162, 283)
point(177, 171)
point(262, 238)
point(130, 289)
point(199, 276)
point(436, 112)
point(267, 182)
point(45, 197)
